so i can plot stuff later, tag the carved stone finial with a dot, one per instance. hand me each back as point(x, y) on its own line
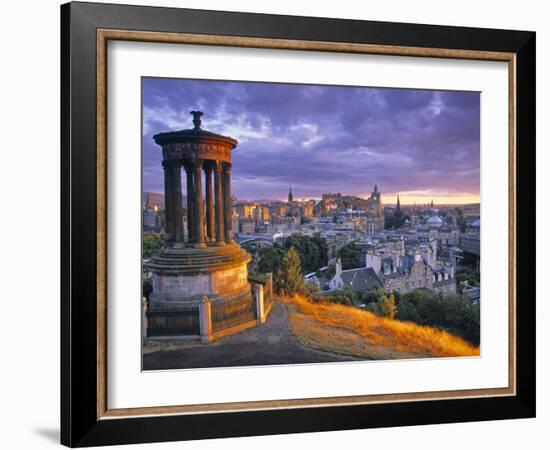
point(197, 118)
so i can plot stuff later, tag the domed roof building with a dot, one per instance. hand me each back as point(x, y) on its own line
point(474, 227)
point(434, 221)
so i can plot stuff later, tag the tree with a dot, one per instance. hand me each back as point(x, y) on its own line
point(387, 307)
point(371, 295)
point(313, 251)
point(151, 244)
point(469, 323)
point(289, 279)
point(270, 259)
point(312, 290)
point(394, 219)
point(321, 244)
point(339, 299)
point(250, 247)
point(467, 274)
point(407, 312)
point(451, 312)
point(373, 308)
point(430, 308)
point(351, 256)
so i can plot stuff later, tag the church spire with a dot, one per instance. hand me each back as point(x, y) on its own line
point(290, 196)
point(398, 208)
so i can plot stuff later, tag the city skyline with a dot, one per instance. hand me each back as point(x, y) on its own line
point(421, 144)
point(385, 198)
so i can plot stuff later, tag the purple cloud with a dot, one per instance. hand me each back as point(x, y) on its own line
point(324, 138)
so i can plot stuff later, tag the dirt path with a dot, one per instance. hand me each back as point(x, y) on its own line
point(270, 343)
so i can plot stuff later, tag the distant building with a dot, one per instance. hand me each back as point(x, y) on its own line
point(473, 226)
point(152, 216)
point(235, 223)
point(448, 236)
point(469, 243)
point(247, 225)
point(277, 209)
point(411, 273)
point(308, 209)
point(443, 282)
point(434, 222)
point(331, 197)
point(361, 279)
point(261, 214)
point(245, 210)
point(373, 220)
point(471, 210)
point(473, 294)
point(149, 219)
point(404, 273)
point(375, 202)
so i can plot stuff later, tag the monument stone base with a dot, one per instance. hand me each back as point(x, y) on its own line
point(200, 291)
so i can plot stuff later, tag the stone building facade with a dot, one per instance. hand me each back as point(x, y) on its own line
point(414, 270)
point(413, 273)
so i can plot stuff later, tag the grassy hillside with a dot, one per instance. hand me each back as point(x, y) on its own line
point(349, 330)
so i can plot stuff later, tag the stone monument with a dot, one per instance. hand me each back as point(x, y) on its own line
point(200, 283)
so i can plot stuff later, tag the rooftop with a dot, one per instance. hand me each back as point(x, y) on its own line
point(434, 220)
point(360, 279)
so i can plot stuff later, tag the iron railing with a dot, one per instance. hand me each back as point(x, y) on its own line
point(173, 321)
point(232, 312)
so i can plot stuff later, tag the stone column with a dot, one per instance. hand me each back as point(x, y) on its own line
point(259, 297)
point(143, 317)
point(205, 318)
point(199, 207)
point(218, 190)
point(168, 203)
point(209, 203)
point(176, 202)
point(228, 204)
point(190, 204)
point(269, 284)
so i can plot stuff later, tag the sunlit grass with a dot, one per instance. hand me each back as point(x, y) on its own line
point(405, 337)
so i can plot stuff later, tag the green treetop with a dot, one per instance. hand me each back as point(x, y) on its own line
point(289, 279)
point(387, 307)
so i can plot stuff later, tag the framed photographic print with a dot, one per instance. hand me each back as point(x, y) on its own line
point(276, 224)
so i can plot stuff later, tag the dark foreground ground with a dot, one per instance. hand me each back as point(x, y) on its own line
point(269, 343)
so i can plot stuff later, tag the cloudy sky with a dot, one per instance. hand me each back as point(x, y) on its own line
point(422, 144)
